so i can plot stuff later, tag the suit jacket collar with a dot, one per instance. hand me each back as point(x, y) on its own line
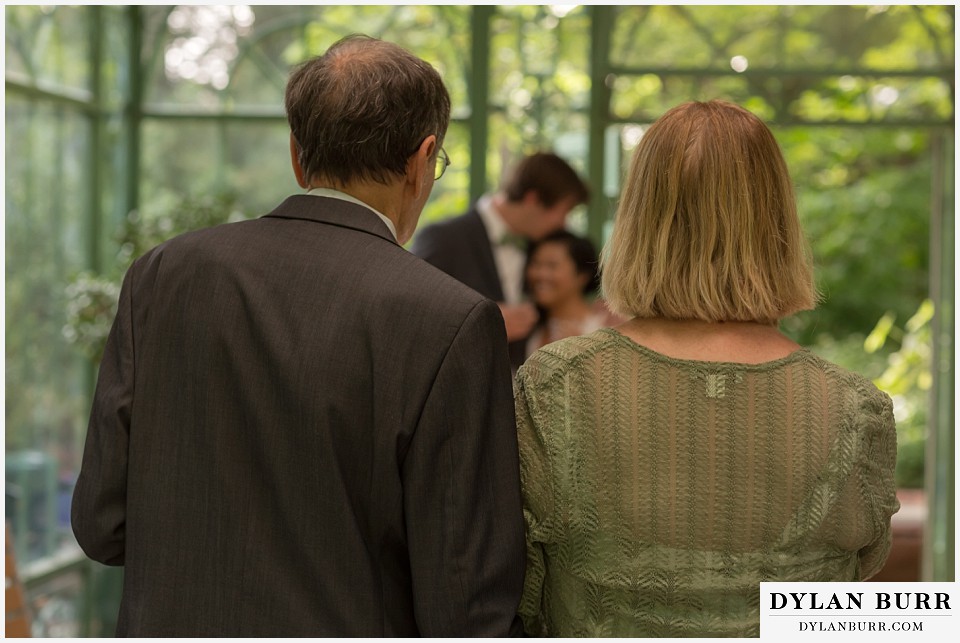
point(331, 211)
point(479, 236)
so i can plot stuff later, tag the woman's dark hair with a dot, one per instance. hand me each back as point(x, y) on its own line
point(581, 250)
point(362, 109)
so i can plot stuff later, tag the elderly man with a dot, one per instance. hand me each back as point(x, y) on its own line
point(299, 428)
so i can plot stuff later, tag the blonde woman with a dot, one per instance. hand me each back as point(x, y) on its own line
point(671, 464)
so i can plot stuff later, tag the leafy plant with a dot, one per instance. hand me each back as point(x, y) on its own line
point(91, 299)
point(91, 306)
point(907, 379)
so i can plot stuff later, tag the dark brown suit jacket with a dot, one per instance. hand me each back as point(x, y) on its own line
point(461, 248)
point(301, 429)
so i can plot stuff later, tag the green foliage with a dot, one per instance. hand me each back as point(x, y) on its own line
point(91, 299)
point(907, 379)
point(91, 307)
point(45, 181)
point(792, 40)
point(158, 222)
point(864, 200)
point(539, 85)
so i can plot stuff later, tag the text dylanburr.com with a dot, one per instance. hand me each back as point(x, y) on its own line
point(849, 610)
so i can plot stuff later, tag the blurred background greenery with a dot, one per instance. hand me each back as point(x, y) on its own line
point(126, 125)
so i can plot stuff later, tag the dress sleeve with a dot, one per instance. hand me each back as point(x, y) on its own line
point(538, 496)
point(877, 477)
point(98, 511)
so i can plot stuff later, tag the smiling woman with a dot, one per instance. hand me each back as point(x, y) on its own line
point(561, 277)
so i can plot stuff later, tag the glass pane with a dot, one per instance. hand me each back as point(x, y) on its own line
point(450, 194)
point(539, 85)
point(783, 37)
point(179, 158)
point(257, 163)
point(785, 54)
point(510, 140)
point(211, 56)
point(247, 161)
point(250, 162)
point(49, 44)
point(823, 99)
point(191, 51)
point(115, 42)
point(47, 191)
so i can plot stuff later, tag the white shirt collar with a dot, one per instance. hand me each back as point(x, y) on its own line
point(509, 259)
point(492, 221)
point(343, 196)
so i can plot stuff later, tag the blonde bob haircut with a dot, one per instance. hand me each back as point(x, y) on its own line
point(707, 225)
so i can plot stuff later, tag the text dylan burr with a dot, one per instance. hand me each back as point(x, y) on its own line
point(854, 600)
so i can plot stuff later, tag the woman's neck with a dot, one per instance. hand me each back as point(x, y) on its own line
point(733, 341)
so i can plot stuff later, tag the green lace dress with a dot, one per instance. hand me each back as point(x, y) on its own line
point(660, 492)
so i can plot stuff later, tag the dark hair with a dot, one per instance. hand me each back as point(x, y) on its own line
point(362, 109)
point(549, 176)
point(581, 250)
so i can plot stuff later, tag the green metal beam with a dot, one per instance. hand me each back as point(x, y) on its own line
point(95, 154)
point(251, 113)
point(133, 110)
point(266, 113)
point(272, 113)
point(44, 570)
point(943, 73)
point(39, 90)
point(479, 84)
point(796, 122)
point(938, 557)
point(599, 206)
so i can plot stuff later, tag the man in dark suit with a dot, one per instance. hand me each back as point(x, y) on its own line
point(486, 248)
point(299, 428)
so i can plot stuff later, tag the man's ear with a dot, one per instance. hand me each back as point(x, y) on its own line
point(420, 166)
point(295, 161)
